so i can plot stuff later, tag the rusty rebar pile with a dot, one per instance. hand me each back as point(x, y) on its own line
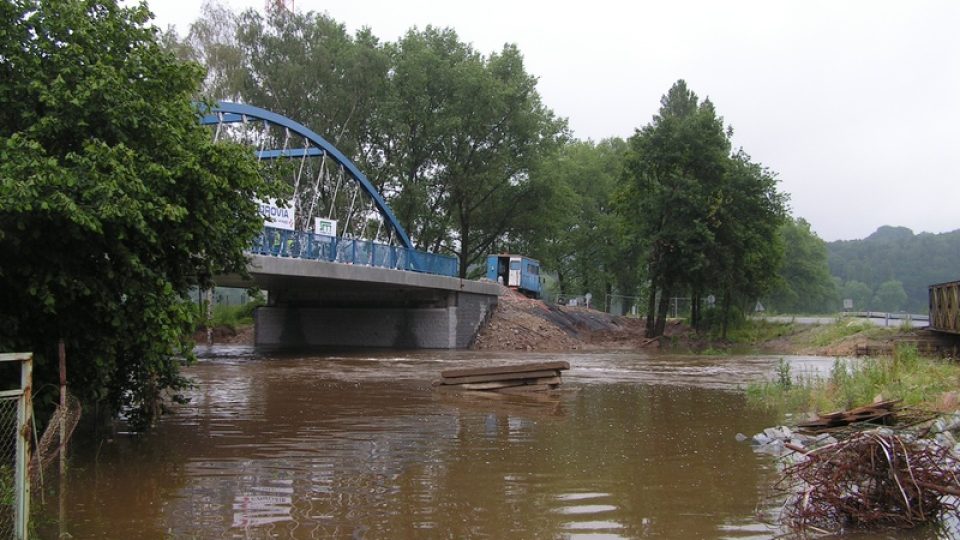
point(873, 479)
point(51, 443)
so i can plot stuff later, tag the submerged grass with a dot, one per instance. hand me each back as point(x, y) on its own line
point(917, 380)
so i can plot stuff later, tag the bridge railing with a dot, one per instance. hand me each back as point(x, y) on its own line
point(307, 245)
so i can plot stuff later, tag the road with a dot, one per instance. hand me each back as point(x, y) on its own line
point(879, 319)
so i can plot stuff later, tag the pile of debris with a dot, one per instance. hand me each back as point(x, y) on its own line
point(842, 471)
point(880, 412)
point(505, 379)
point(872, 479)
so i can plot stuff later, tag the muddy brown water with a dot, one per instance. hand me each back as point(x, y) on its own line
point(361, 445)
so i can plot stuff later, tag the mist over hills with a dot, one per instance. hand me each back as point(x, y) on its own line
point(897, 254)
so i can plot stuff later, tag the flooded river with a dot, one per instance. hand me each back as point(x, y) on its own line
point(361, 445)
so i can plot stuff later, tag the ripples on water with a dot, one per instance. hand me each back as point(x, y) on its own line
point(363, 446)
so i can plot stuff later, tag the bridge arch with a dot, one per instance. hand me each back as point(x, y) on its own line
point(225, 113)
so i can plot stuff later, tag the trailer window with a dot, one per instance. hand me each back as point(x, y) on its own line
point(533, 269)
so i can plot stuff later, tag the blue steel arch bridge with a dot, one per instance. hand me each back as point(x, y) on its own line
point(340, 269)
point(326, 185)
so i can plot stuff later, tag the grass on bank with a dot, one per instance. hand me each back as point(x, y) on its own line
point(829, 334)
point(757, 332)
point(232, 317)
point(918, 381)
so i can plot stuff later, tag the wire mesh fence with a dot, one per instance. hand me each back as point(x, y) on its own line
point(15, 410)
point(8, 466)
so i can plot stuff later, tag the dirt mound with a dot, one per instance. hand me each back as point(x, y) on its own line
point(521, 323)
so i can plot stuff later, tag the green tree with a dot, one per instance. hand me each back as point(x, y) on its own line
point(113, 200)
point(890, 296)
point(747, 249)
point(580, 236)
point(859, 292)
point(674, 170)
point(448, 135)
point(706, 220)
point(805, 284)
point(302, 65)
point(464, 132)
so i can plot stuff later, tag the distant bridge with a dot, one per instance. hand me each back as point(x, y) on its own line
point(355, 279)
point(945, 307)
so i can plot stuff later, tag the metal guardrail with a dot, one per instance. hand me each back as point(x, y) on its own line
point(307, 245)
point(885, 315)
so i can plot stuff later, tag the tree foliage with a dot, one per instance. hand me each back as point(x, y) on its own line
point(113, 200)
point(472, 161)
point(465, 131)
point(707, 220)
point(576, 232)
point(860, 293)
point(450, 136)
point(890, 297)
point(804, 284)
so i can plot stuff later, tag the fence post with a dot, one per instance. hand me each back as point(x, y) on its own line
point(22, 480)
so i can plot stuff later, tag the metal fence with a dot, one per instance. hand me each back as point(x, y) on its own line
point(15, 410)
point(624, 304)
point(308, 245)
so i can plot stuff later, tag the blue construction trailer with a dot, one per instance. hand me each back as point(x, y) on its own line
point(515, 271)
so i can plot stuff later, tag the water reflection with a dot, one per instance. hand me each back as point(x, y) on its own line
point(365, 446)
point(263, 505)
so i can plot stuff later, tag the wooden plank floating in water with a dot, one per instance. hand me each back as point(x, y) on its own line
point(506, 379)
point(492, 370)
point(497, 377)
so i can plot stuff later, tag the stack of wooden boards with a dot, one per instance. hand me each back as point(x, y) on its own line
point(881, 412)
point(505, 379)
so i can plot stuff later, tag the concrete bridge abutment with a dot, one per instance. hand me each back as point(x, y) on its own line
point(453, 326)
point(321, 304)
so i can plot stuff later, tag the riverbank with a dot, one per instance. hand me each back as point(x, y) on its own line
point(519, 323)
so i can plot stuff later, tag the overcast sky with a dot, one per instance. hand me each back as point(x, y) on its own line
point(856, 104)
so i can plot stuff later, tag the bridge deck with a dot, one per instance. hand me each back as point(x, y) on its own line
point(267, 272)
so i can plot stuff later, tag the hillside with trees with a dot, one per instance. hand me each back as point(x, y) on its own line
point(891, 269)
